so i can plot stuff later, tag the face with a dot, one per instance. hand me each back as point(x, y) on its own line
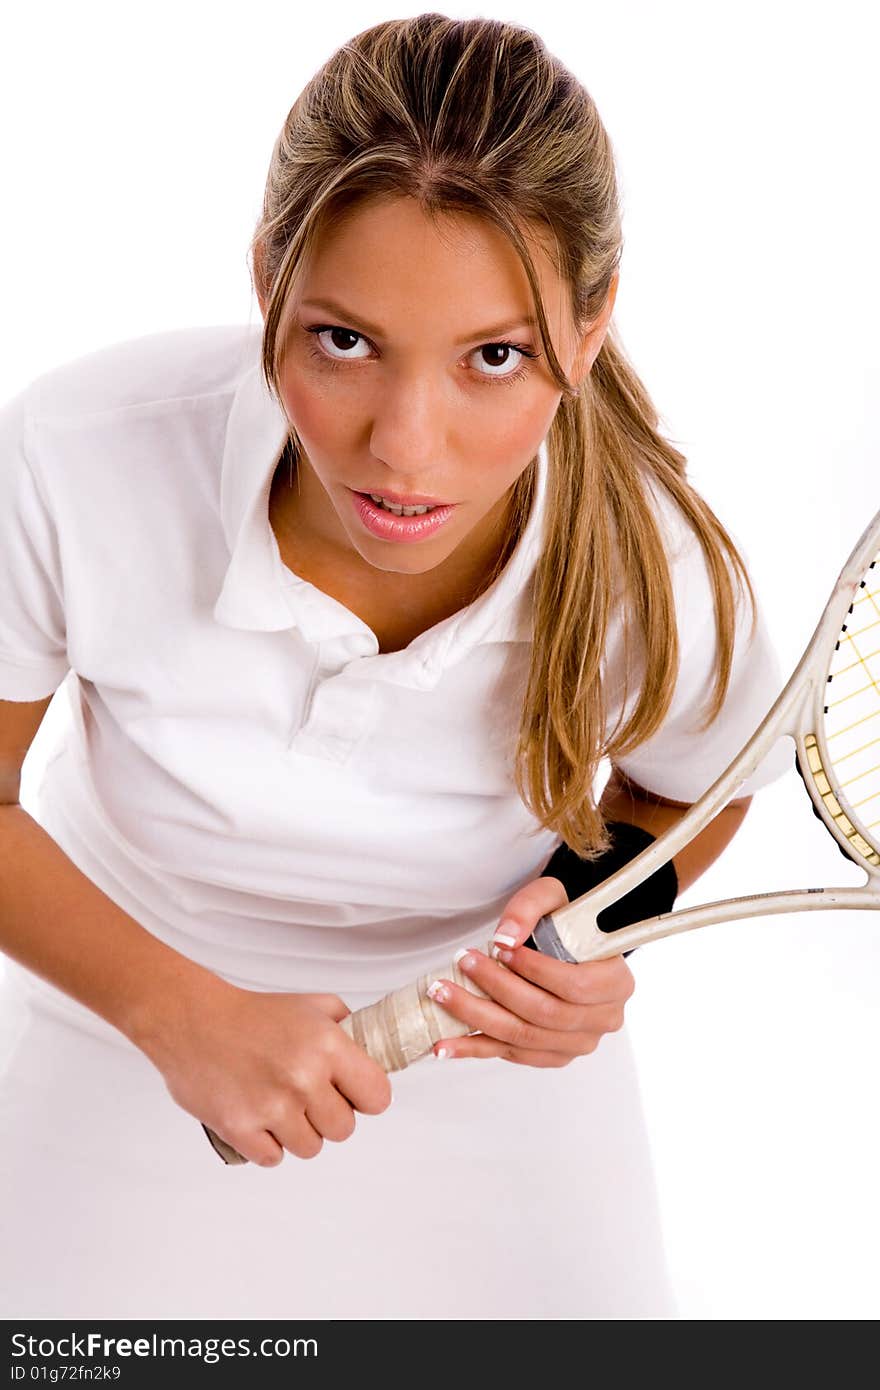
point(422, 379)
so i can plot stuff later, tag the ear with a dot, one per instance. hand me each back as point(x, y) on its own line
point(592, 340)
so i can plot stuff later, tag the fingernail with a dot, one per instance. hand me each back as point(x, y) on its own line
point(463, 959)
point(437, 990)
point(441, 1052)
point(504, 938)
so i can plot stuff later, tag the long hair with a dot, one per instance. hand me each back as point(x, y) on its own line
point(476, 116)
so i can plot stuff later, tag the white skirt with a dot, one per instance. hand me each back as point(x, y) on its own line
point(485, 1190)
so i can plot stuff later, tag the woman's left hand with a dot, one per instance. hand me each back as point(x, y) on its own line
point(541, 1012)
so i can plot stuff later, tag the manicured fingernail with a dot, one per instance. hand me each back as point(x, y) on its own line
point(463, 959)
point(437, 990)
point(504, 938)
point(506, 956)
point(441, 1052)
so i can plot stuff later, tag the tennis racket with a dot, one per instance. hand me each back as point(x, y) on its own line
point(830, 707)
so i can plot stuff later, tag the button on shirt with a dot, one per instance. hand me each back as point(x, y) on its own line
point(242, 770)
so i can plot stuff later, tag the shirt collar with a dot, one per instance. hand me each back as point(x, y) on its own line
point(259, 592)
point(252, 594)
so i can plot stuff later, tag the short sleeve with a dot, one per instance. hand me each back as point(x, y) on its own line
point(33, 638)
point(679, 761)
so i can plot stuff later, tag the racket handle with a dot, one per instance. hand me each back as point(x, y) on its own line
point(395, 1031)
point(226, 1151)
point(402, 1027)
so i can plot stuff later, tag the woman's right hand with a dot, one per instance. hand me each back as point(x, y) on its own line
point(265, 1071)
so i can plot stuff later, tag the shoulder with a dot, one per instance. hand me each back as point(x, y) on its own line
point(154, 369)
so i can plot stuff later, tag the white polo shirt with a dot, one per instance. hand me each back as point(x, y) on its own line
point(242, 770)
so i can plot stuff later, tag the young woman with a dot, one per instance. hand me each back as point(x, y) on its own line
point(321, 737)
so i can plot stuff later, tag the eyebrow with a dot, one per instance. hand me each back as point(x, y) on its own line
point(485, 334)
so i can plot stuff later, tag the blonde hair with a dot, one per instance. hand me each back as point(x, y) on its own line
point(476, 116)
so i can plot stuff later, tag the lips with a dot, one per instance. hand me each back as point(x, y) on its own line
point(398, 499)
point(388, 526)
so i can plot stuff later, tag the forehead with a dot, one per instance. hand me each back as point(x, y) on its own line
point(387, 254)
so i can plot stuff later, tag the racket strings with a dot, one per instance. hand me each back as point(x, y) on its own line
point(850, 785)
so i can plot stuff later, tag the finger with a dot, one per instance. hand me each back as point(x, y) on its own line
point(489, 1017)
point(543, 1008)
point(297, 1134)
point(264, 1150)
point(331, 1115)
point(531, 1001)
point(281, 1131)
point(480, 1045)
point(526, 908)
point(585, 982)
point(359, 1079)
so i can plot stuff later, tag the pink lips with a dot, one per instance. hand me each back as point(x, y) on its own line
point(401, 528)
point(399, 499)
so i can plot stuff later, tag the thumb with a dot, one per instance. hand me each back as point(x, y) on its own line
point(526, 908)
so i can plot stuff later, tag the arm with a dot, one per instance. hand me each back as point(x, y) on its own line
point(244, 1062)
point(623, 800)
point(58, 924)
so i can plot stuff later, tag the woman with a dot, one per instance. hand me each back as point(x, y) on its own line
point(317, 745)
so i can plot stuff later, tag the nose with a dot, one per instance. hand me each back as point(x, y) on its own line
point(411, 426)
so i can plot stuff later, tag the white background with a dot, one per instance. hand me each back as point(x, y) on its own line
point(134, 150)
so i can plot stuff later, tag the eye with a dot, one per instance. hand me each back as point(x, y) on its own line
point(320, 329)
point(335, 331)
point(520, 369)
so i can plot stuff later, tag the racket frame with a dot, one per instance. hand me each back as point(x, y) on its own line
point(572, 933)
